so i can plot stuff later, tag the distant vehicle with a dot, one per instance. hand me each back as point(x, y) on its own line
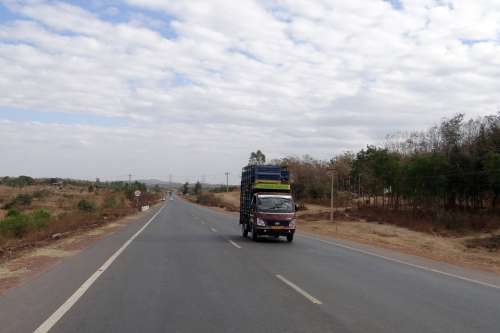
point(266, 203)
point(171, 198)
point(163, 198)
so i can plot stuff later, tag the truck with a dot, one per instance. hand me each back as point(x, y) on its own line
point(266, 203)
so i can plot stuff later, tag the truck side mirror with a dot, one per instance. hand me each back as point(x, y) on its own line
point(296, 207)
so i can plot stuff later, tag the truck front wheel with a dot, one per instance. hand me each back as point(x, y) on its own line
point(244, 231)
point(255, 237)
point(289, 238)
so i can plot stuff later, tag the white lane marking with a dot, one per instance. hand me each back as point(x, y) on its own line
point(213, 229)
point(59, 313)
point(202, 222)
point(424, 268)
point(299, 290)
point(234, 244)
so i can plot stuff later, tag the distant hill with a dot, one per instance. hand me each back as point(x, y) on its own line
point(162, 183)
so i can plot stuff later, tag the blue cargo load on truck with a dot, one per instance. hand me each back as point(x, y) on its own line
point(261, 184)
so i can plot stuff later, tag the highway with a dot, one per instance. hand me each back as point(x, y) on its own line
point(186, 268)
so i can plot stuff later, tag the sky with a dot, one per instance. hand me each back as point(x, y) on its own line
point(189, 88)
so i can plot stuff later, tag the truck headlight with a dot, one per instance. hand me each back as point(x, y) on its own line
point(261, 222)
point(292, 223)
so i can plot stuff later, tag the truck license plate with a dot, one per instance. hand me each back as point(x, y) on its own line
point(277, 227)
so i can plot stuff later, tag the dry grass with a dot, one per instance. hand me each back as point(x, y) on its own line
point(62, 205)
point(232, 198)
point(464, 251)
point(229, 201)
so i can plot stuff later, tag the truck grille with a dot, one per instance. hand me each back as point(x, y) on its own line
point(270, 223)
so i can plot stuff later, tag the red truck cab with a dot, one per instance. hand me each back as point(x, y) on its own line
point(273, 214)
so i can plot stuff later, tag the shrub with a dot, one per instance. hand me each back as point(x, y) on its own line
point(20, 181)
point(12, 212)
point(39, 218)
point(15, 226)
point(208, 199)
point(41, 194)
point(86, 206)
point(110, 202)
point(22, 199)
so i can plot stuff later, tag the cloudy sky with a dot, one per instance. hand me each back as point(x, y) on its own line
point(189, 88)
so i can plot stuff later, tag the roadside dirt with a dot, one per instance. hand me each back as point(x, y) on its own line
point(450, 250)
point(232, 198)
point(31, 262)
point(475, 250)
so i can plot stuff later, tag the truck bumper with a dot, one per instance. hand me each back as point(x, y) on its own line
point(262, 231)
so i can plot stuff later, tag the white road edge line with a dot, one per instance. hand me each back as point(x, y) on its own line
point(299, 290)
point(59, 313)
point(213, 229)
point(234, 244)
point(424, 268)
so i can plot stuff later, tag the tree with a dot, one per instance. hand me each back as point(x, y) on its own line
point(425, 180)
point(257, 158)
point(185, 188)
point(493, 169)
point(342, 164)
point(379, 171)
point(451, 133)
point(20, 181)
point(197, 188)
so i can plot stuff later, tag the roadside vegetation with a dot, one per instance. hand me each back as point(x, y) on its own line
point(434, 193)
point(210, 196)
point(444, 179)
point(38, 210)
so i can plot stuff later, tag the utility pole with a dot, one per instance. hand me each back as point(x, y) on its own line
point(227, 181)
point(130, 178)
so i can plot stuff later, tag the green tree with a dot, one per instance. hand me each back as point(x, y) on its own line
point(185, 188)
point(20, 181)
point(257, 158)
point(379, 172)
point(493, 169)
point(425, 181)
point(197, 188)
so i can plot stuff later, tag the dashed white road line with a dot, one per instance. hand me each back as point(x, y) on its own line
point(59, 313)
point(424, 268)
point(202, 222)
point(213, 229)
point(234, 244)
point(299, 290)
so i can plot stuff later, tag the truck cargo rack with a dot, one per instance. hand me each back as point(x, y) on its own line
point(261, 178)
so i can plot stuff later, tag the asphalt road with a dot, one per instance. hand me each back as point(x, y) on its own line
point(189, 270)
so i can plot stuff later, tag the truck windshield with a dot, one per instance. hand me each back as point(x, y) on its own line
point(275, 205)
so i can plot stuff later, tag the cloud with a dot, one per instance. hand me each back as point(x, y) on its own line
point(222, 78)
